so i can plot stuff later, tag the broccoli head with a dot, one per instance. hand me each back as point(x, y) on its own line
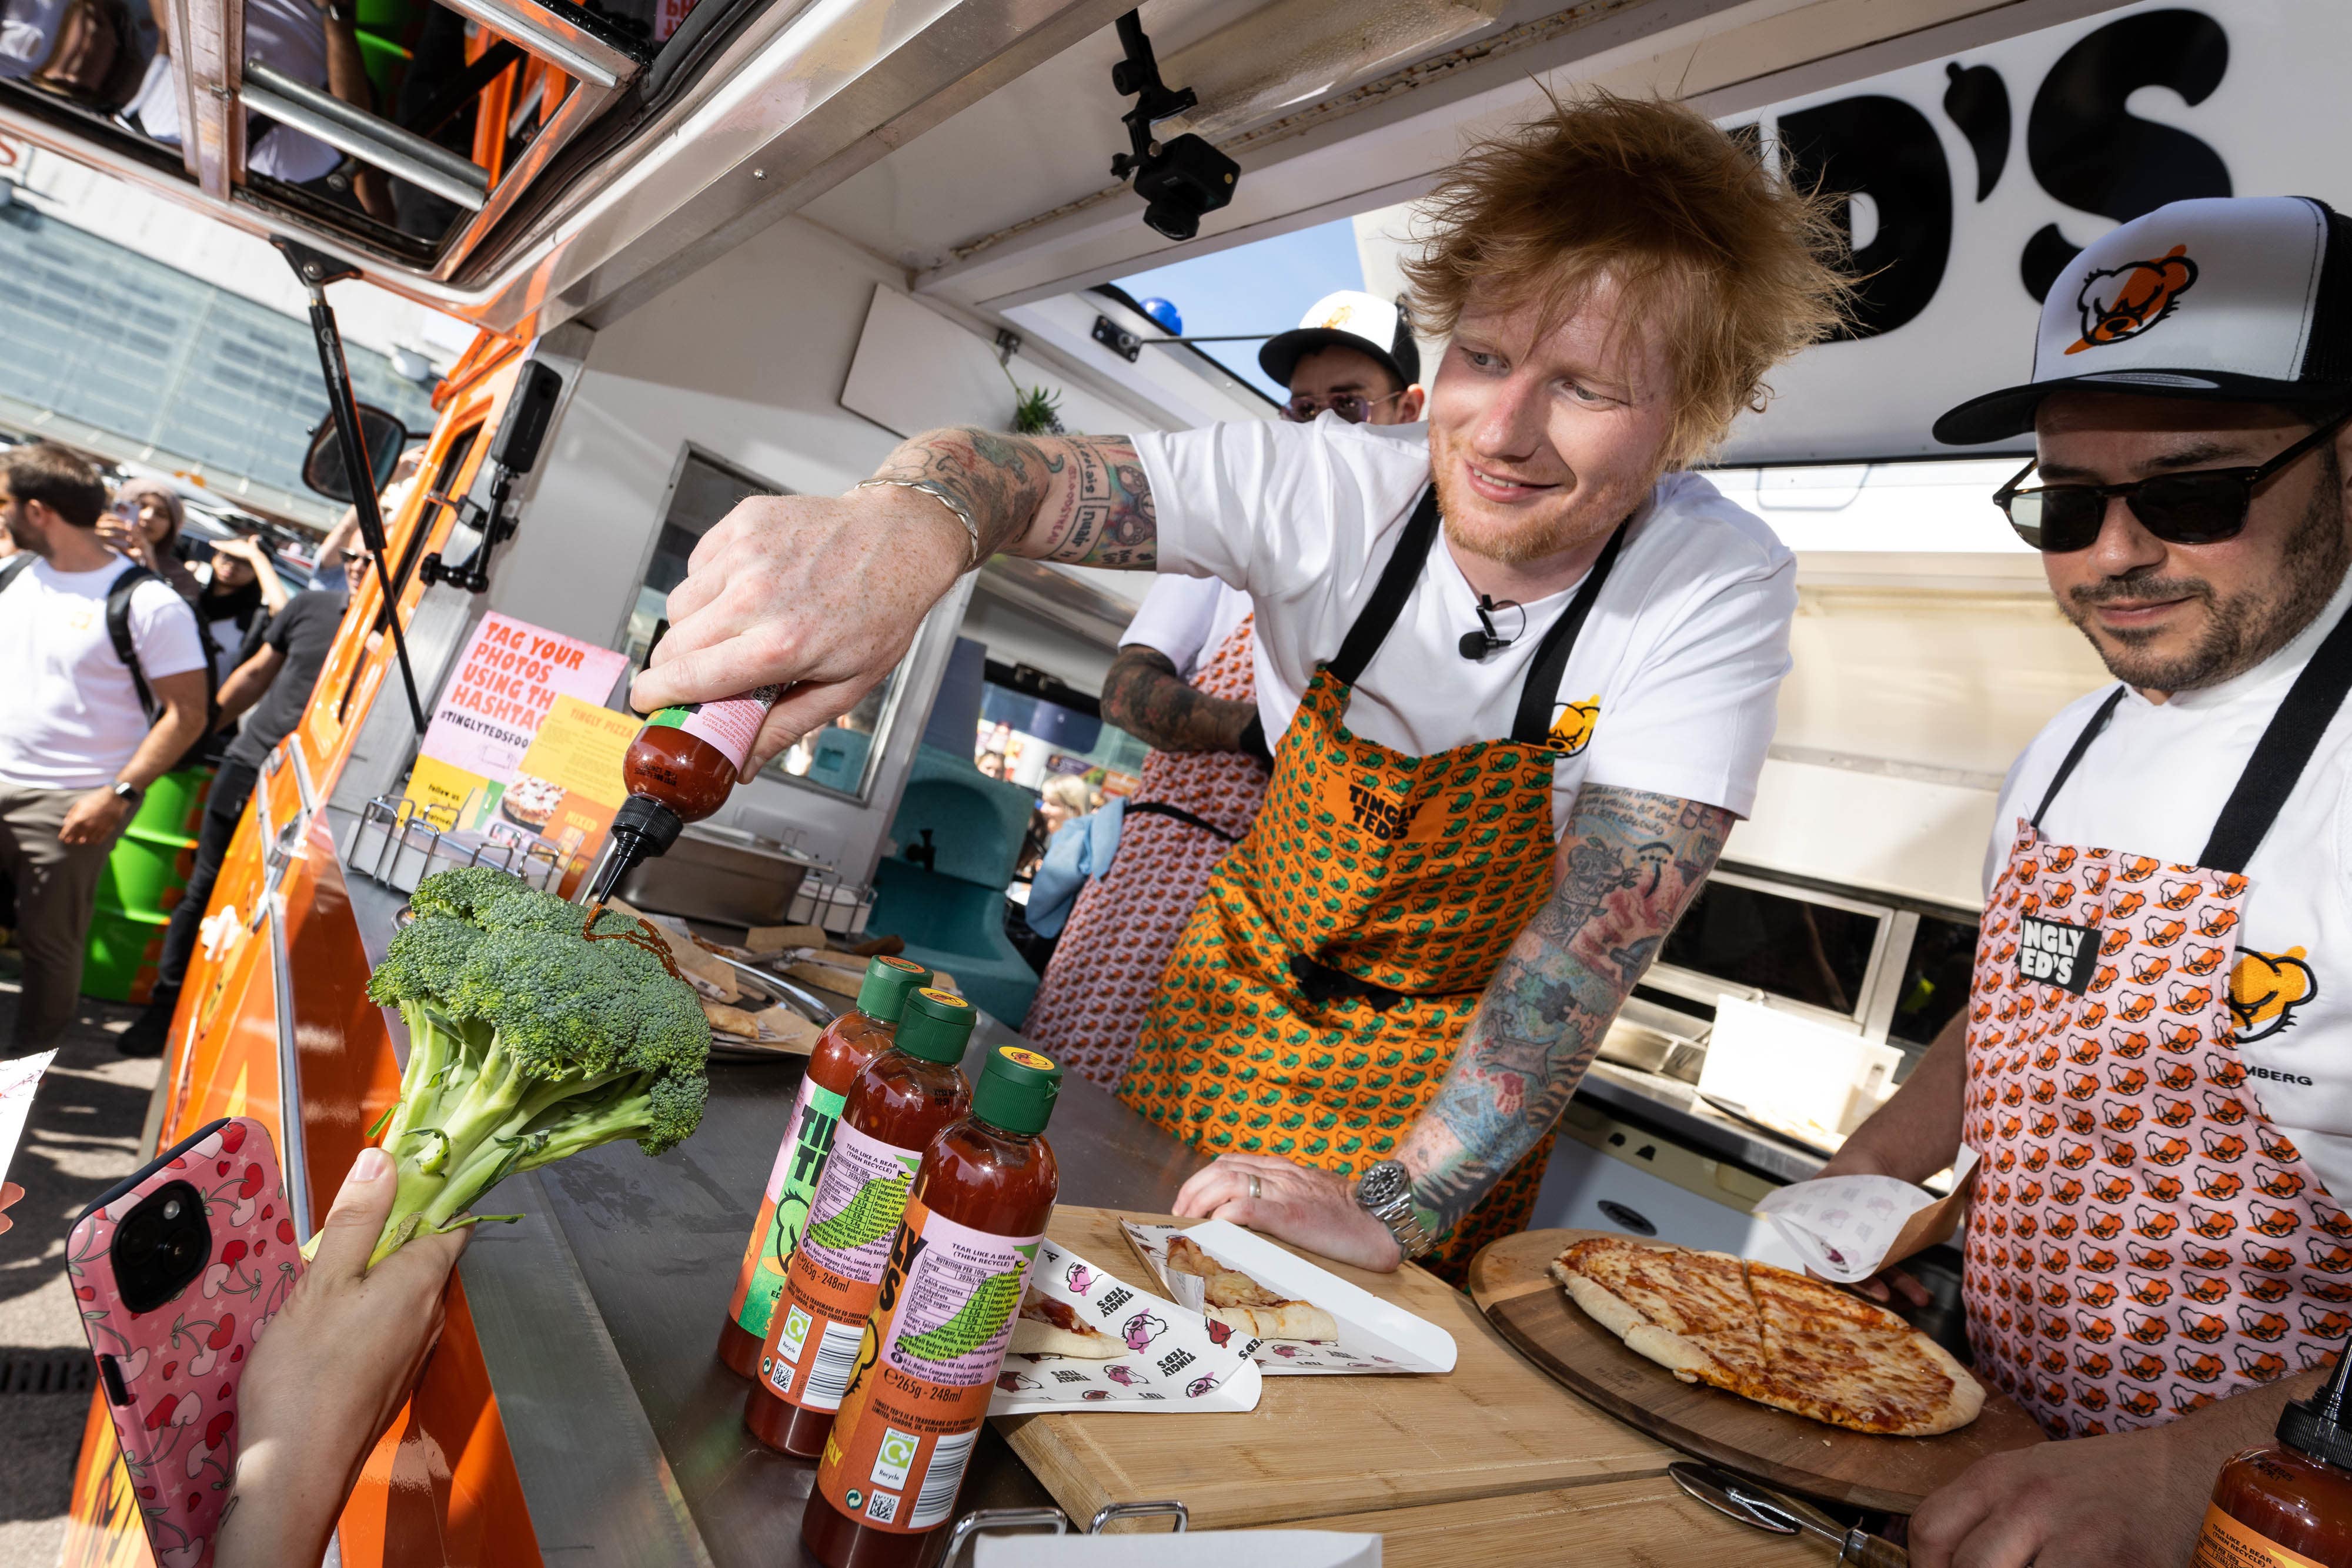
point(530, 1037)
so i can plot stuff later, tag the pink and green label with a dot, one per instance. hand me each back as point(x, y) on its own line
point(859, 1201)
point(784, 1209)
point(956, 1307)
point(730, 725)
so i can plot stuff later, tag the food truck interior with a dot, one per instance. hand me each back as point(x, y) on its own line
point(742, 247)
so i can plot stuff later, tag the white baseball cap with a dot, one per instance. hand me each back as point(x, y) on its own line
point(1348, 319)
point(2236, 298)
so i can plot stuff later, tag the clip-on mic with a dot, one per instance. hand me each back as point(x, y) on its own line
point(1477, 645)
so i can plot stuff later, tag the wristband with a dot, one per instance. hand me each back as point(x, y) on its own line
point(946, 498)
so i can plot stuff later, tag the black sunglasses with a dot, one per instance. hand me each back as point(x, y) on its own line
point(1350, 406)
point(2200, 508)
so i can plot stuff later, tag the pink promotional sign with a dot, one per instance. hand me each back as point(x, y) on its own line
point(505, 681)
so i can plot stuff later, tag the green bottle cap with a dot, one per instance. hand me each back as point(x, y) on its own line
point(883, 994)
point(1016, 1090)
point(934, 1025)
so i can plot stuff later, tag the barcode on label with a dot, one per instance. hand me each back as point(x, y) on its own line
point(837, 1357)
point(937, 1500)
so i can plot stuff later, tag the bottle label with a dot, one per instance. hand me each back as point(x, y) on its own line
point(830, 1282)
point(730, 725)
point(927, 1365)
point(784, 1208)
point(2224, 1542)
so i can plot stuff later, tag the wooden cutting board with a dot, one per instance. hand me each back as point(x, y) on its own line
point(1649, 1523)
point(1511, 1280)
point(1318, 1447)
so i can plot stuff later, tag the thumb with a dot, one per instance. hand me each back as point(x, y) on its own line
point(349, 1235)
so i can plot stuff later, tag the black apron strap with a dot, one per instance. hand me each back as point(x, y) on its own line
point(1162, 808)
point(2277, 764)
point(2074, 754)
point(1395, 586)
point(1540, 693)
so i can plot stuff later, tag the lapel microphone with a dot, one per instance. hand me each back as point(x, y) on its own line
point(1477, 645)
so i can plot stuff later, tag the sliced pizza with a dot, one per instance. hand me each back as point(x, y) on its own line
point(1779, 1338)
point(1234, 1299)
point(1049, 1327)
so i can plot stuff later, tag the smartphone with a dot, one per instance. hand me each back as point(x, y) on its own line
point(176, 1267)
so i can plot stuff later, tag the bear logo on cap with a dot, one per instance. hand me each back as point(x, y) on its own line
point(2125, 301)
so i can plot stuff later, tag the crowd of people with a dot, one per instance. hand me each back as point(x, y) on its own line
point(133, 652)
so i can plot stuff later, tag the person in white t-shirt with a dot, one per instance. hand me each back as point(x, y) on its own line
point(76, 747)
point(1525, 666)
point(2154, 1069)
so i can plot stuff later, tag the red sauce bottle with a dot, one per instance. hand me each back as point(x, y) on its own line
point(681, 767)
point(928, 1358)
point(2288, 1505)
point(841, 1054)
point(896, 1107)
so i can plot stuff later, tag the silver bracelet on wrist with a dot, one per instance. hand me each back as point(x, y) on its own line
point(946, 498)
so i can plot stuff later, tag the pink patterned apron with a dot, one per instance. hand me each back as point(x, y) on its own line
point(2142, 1240)
point(1089, 1008)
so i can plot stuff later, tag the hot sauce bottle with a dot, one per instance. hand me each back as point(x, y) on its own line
point(2288, 1505)
point(895, 1108)
point(841, 1054)
point(931, 1350)
point(681, 767)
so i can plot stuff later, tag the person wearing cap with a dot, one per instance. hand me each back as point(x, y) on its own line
point(1523, 661)
point(2152, 1067)
point(1184, 682)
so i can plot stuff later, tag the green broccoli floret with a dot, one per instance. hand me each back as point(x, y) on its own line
point(528, 1043)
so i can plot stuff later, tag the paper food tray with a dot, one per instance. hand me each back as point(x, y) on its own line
point(1375, 1336)
point(1176, 1365)
point(1848, 1228)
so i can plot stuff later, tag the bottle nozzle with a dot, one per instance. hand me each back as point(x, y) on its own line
point(642, 829)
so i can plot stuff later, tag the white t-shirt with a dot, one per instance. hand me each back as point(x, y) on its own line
point(28, 32)
point(1188, 618)
point(70, 717)
point(289, 35)
point(1684, 648)
point(2153, 783)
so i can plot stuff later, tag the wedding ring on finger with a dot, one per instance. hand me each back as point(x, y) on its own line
point(1256, 1189)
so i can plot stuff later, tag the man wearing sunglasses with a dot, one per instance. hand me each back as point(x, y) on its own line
point(2153, 1066)
point(1353, 355)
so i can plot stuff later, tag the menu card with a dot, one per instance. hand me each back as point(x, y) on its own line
point(507, 679)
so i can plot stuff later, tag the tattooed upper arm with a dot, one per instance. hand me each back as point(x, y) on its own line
point(1628, 866)
point(1076, 498)
point(1144, 695)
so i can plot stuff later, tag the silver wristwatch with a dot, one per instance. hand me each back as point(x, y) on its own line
point(1385, 1192)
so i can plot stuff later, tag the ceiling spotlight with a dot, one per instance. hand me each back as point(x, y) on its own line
point(1179, 180)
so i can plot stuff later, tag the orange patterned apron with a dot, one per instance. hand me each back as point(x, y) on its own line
point(1319, 991)
point(2142, 1240)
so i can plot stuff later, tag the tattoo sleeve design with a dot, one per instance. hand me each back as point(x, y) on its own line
point(1076, 498)
point(1145, 697)
point(1630, 864)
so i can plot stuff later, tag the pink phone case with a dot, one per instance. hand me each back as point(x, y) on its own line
point(169, 1375)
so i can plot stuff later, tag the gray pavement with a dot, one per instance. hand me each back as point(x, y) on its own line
point(83, 1136)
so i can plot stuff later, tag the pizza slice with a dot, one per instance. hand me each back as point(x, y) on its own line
point(1837, 1358)
point(1049, 1327)
point(1235, 1300)
point(1689, 1311)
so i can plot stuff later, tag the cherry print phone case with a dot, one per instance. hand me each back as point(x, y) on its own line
point(176, 1270)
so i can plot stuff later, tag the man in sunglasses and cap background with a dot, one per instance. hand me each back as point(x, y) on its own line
point(2152, 1066)
point(1185, 681)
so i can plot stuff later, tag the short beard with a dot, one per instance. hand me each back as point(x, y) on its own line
point(1521, 543)
point(2241, 631)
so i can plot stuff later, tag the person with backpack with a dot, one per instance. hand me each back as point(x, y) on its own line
point(108, 687)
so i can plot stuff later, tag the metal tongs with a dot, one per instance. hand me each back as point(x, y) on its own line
point(1751, 1503)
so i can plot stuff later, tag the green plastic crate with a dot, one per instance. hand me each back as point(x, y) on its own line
point(145, 876)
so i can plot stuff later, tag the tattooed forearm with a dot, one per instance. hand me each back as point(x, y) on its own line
point(1145, 697)
point(1078, 498)
point(1628, 865)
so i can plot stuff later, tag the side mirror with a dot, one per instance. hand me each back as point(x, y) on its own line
point(322, 466)
point(529, 413)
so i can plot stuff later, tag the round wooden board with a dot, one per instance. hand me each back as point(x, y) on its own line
point(1511, 1283)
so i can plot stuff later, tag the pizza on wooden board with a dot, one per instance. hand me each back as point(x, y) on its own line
point(1049, 1327)
point(1765, 1333)
point(1234, 1299)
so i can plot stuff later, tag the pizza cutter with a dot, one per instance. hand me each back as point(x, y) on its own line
point(1738, 1497)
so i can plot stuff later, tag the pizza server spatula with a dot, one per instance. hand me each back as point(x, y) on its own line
point(1752, 1504)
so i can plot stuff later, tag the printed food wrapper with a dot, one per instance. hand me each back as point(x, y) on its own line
point(1849, 1227)
point(18, 1079)
point(1174, 1362)
point(1375, 1337)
